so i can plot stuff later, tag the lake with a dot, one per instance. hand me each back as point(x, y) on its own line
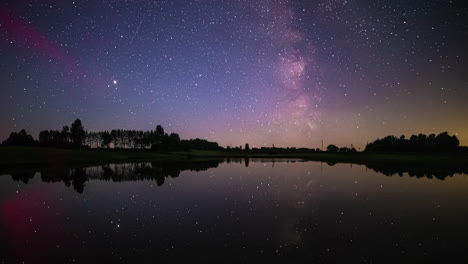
point(245, 209)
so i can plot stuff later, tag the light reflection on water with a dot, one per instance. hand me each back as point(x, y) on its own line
point(241, 208)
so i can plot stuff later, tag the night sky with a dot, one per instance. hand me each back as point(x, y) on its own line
point(289, 73)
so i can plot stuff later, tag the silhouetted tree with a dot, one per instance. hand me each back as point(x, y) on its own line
point(332, 148)
point(65, 134)
point(78, 133)
point(158, 139)
point(200, 144)
point(159, 132)
point(343, 150)
point(445, 142)
point(44, 136)
point(19, 139)
point(172, 142)
point(247, 147)
point(106, 139)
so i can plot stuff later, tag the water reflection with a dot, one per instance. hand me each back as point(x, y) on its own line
point(269, 209)
point(420, 172)
point(159, 171)
point(23, 176)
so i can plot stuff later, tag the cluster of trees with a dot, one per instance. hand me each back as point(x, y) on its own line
point(443, 142)
point(19, 139)
point(270, 150)
point(73, 136)
point(277, 150)
point(67, 136)
point(159, 140)
point(334, 149)
point(121, 138)
point(156, 139)
point(77, 136)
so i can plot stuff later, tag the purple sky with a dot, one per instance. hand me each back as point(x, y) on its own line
point(289, 73)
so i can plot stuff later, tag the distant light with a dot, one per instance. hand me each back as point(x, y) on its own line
point(114, 81)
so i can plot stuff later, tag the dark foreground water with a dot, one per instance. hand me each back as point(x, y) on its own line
point(239, 210)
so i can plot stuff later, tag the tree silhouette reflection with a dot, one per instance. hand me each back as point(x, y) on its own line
point(77, 177)
point(23, 176)
point(419, 172)
point(159, 171)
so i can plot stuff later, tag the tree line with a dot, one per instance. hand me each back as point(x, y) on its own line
point(442, 142)
point(76, 136)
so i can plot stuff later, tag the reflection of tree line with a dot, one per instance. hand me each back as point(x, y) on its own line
point(246, 161)
point(160, 170)
point(157, 171)
point(77, 177)
point(419, 172)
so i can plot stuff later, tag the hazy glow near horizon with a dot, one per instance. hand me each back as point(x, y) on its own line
point(288, 73)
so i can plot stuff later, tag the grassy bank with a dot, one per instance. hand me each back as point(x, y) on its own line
point(25, 156)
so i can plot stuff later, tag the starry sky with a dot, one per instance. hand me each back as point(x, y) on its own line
point(289, 73)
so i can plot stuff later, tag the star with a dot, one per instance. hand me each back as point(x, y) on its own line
point(288, 72)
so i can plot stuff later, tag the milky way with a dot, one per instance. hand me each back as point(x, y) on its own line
point(289, 73)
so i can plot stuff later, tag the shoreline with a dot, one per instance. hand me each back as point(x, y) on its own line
point(30, 156)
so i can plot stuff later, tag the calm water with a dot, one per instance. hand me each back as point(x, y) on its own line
point(253, 210)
